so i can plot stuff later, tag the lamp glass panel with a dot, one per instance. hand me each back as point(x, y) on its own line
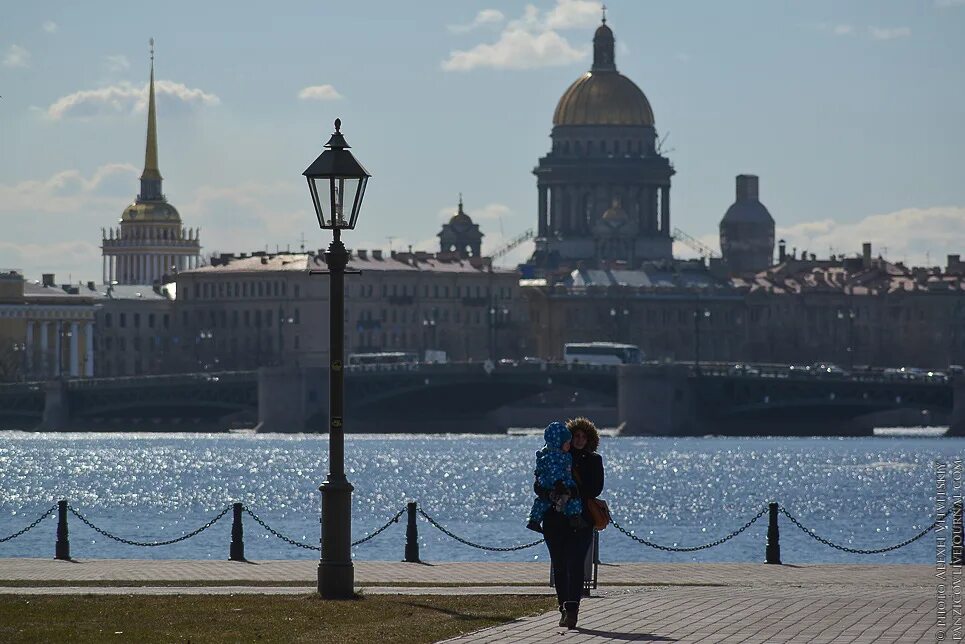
point(338, 196)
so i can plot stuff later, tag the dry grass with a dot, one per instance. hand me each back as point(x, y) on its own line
point(409, 619)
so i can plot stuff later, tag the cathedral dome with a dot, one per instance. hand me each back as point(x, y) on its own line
point(460, 220)
point(603, 96)
point(151, 211)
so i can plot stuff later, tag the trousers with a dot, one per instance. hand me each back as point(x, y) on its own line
point(568, 547)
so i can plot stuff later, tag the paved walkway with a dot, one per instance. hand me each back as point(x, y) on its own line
point(747, 603)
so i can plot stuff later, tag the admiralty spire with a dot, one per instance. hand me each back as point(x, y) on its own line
point(150, 241)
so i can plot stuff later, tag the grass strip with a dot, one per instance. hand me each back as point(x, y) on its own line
point(289, 583)
point(413, 619)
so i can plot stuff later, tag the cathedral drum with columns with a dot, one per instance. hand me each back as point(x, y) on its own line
point(151, 241)
point(604, 188)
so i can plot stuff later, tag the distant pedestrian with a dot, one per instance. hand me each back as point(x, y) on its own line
point(568, 537)
point(554, 472)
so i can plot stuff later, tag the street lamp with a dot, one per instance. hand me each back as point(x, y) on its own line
point(493, 323)
point(337, 184)
point(698, 315)
point(203, 336)
point(282, 321)
point(616, 322)
point(20, 349)
point(850, 315)
point(428, 330)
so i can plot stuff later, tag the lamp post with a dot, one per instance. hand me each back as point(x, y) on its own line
point(282, 321)
point(493, 324)
point(337, 184)
point(203, 336)
point(617, 322)
point(20, 349)
point(699, 314)
point(428, 331)
point(850, 315)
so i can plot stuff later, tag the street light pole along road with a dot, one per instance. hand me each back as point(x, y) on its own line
point(337, 183)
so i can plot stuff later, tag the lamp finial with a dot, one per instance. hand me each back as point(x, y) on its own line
point(338, 125)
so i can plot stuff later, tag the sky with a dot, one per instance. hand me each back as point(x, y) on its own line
point(852, 114)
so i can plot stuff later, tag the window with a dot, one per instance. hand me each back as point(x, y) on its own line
point(297, 289)
point(150, 320)
point(297, 317)
point(261, 289)
point(197, 290)
point(107, 320)
point(122, 320)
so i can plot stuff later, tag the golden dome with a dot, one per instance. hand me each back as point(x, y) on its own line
point(460, 220)
point(603, 98)
point(159, 211)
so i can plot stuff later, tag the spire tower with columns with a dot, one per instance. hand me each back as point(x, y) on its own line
point(151, 241)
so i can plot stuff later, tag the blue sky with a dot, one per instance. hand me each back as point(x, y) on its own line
point(853, 115)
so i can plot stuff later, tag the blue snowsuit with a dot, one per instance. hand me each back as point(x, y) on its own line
point(554, 465)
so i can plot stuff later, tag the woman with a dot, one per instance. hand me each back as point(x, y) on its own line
point(569, 538)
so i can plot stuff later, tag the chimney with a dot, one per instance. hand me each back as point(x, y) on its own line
point(866, 255)
point(48, 279)
point(362, 254)
point(746, 187)
point(91, 286)
point(377, 254)
point(781, 251)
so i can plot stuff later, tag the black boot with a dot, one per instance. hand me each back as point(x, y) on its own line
point(562, 615)
point(572, 612)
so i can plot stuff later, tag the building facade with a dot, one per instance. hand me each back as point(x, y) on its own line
point(244, 311)
point(150, 240)
point(853, 311)
point(46, 330)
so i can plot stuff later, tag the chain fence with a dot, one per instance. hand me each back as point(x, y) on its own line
point(689, 548)
point(148, 544)
point(33, 525)
point(491, 548)
point(471, 544)
point(860, 551)
point(306, 546)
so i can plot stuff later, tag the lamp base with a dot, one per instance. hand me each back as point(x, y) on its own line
point(336, 572)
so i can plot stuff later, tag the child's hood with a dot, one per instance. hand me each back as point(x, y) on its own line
point(556, 434)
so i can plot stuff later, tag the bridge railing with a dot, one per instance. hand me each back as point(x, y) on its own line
point(236, 548)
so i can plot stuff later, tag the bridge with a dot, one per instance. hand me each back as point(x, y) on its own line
point(663, 399)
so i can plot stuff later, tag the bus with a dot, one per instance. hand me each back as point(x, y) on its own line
point(602, 353)
point(379, 359)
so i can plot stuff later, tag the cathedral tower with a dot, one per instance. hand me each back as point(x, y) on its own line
point(747, 230)
point(151, 240)
point(604, 187)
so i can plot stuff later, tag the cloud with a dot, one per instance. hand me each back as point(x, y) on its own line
point(319, 93)
point(483, 18)
point(908, 234)
point(489, 212)
point(16, 56)
point(60, 258)
point(569, 14)
point(50, 26)
point(517, 49)
point(530, 41)
point(125, 98)
point(118, 63)
point(944, 4)
point(69, 191)
point(837, 30)
point(886, 33)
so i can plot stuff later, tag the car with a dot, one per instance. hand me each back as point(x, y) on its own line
point(955, 370)
point(936, 376)
point(827, 369)
point(798, 370)
point(532, 360)
point(741, 369)
point(506, 362)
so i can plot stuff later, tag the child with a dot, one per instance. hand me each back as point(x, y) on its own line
point(554, 471)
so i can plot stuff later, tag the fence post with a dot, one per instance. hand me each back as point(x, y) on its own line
point(412, 535)
point(237, 550)
point(773, 551)
point(958, 535)
point(62, 549)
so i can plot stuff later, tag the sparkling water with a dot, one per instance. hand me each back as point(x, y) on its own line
point(858, 492)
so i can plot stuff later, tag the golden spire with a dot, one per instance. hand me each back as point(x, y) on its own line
point(151, 170)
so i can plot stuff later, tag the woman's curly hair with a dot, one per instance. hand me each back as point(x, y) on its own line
point(585, 425)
